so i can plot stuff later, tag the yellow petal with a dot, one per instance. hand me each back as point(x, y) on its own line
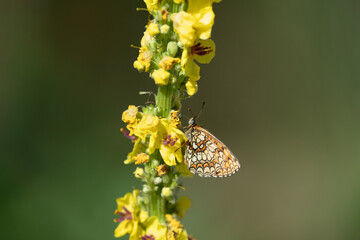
point(168, 62)
point(143, 216)
point(168, 155)
point(161, 76)
point(205, 22)
point(136, 231)
point(192, 70)
point(123, 228)
point(153, 29)
point(153, 227)
point(191, 87)
point(205, 50)
point(127, 201)
point(183, 25)
point(138, 65)
point(152, 5)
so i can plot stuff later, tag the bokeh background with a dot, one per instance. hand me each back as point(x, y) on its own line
point(282, 93)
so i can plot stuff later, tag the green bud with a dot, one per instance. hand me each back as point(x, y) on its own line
point(178, 67)
point(152, 46)
point(157, 180)
point(164, 29)
point(146, 188)
point(172, 48)
point(165, 179)
point(147, 168)
point(156, 162)
point(180, 45)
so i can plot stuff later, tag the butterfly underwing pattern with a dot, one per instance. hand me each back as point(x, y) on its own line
point(207, 156)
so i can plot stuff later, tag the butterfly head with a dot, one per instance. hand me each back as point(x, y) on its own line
point(192, 121)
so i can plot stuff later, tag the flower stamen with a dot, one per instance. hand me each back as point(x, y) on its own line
point(169, 140)
point(124, 215)
point(147, 237)
point(127, 135)
point(200, 50)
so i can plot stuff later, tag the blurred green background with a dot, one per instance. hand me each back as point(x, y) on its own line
point(282, 93)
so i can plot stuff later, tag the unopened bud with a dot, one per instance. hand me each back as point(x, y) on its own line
point(164, 29)
point(180, 45)
point(157, 180)
point(139, 173)
point(166, 192)
point(152, 46)
point(146, 188)
point(172, 48)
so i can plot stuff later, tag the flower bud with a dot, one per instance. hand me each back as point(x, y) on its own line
point(146, 188)
point(180, 45)
point(157, 180)
point(139, 173)
point(166, 192)
point(152, 46)
point(172, 48)
point(156, 162)
point(165, 179)
point(164, 29)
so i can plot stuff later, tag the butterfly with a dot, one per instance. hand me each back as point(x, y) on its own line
point(207, 156)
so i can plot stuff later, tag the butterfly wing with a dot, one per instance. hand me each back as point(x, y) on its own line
point(207, 156)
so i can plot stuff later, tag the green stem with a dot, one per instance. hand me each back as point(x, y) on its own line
point(164, 100)
point(164, 104)
point(157, 204)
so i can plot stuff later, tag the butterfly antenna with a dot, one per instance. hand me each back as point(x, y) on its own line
point(189, 109)
point(185, 116)
point(202, 107)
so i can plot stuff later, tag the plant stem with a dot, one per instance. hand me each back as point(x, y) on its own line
point(163, 103)
point(157, 204)
point(164, 100)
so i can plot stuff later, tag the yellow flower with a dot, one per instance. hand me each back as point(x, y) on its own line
point(176, 231)
point(148, 125)
point(166, 192)
point(146, 38)
point(153, 29)
point(183, 25)
point(202, 11)
point(153, 230)
point(141, 158)
point(130, 115)
point(196, 23)
point(161, 76)
point(168, 62)
point(143, 61)
point(203, 51)
point(175, 119)
point(130, 215)
point(170, 141)
point(139, 173)
point(139, 147)
point(152, 5)
point(191, 87)
point(161, 170)
point(164, 29)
